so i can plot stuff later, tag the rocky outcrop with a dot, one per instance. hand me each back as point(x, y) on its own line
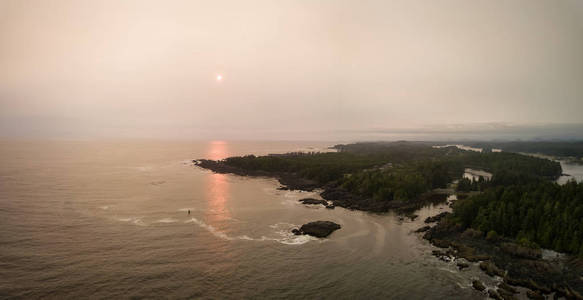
point(313, 201)
point(491, 269)
point(494, 295)
point(506, 295)
point(436, 217)
point(507, 288)
point(534, 295)
point(318, 229)
point(423, 229)
point(478, 285)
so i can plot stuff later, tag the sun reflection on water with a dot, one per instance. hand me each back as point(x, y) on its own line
point(217, 188)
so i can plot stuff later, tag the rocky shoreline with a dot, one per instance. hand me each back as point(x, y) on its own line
point(330, 192)
point(516, 265)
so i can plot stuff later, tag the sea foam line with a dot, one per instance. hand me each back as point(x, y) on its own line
point(286, 238)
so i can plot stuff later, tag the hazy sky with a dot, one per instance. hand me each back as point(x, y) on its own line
point(290, 68)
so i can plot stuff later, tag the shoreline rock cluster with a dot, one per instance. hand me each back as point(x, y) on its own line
point(517, 265)
point(312, 201)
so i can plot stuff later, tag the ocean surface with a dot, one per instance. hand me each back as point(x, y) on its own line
point(109, 219)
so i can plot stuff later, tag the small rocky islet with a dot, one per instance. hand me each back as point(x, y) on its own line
point(319, 229)
point(312, 201)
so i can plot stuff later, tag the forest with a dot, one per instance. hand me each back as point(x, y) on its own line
point(386, 171)
point(538, 214)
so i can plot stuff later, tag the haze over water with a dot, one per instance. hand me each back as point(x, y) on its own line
point(109, 219)
point(87, 209)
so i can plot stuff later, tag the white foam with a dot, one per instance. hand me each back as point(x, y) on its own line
point(448, 270)
point(139, 222)
point(287, 237)
point(292, 239)
point(186, 209)
point(210, 229)
point(282, 225)
point(167, 220)
point(134, 220)
point(105, 207)
point(282, 229)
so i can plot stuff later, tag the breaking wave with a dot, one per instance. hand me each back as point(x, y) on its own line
point(283, 230)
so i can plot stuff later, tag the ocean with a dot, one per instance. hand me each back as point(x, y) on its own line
point(110, 219)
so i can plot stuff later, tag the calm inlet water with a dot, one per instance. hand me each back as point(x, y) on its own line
point(110, 219)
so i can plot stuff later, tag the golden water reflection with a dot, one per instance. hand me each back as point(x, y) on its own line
point(217, 187)
point(217, 214)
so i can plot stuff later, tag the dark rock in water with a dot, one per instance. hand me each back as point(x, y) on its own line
point(319, 228)
point(423, 229)
point(534, 295)
point(566, 292)
point(494, 295)
point(527, 283)
point(478, 285)
point(491, 269)
point(283, 188)
point(462, 266)
point(330, 206)
point(440, 243)
point(469, 253)
point(446, 256)
point(507, 288)
point(506, 295)
point(296, 231)
point(313, 201)
point(437, 217)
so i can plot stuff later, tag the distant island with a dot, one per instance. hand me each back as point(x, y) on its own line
point(503, 221)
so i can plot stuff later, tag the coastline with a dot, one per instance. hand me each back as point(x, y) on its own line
point(516, 265)
point(331, 191)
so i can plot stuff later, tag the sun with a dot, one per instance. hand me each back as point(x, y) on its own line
point(219, 77)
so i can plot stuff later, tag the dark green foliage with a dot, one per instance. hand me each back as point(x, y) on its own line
point(539, 213)
point(323, 167)
point(511, 164)
point(403, 182)
point(467, 185)
point(385, 171)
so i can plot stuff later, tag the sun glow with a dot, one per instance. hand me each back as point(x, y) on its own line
point(219, 77)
